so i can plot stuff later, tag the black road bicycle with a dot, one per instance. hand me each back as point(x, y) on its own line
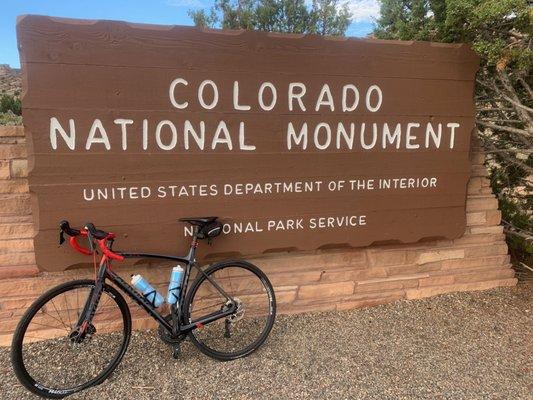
point(227, 312)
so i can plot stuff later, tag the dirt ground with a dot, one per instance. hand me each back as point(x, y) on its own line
point(457, 346)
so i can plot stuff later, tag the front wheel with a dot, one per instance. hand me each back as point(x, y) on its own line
point(246, 329)
point(51, 359)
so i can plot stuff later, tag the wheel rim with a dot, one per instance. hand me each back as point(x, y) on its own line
point(250, 322)
point(56, 363)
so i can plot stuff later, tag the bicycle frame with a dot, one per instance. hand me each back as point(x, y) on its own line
point(179, 326)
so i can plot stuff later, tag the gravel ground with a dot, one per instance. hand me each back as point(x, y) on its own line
point(457, 346)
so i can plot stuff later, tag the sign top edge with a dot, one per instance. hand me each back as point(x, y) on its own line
point(27, 20)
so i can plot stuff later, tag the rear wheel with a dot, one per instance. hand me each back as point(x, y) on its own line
point(51, 359)
point(246, 329)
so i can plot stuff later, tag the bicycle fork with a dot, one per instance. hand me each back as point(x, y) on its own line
point(84, 325)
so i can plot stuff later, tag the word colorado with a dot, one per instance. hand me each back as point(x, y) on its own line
point(192, 133)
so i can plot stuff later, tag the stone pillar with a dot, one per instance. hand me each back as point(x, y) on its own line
point(16, 224)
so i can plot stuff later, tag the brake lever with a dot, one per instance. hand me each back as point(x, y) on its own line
point(92, 247)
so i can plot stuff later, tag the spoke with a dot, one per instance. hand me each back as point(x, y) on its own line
point(47, 326)
point(52, 301)
point(206, 307)
point(230, 285)
point(106, 301)
point(51, 316)
point(68, 312)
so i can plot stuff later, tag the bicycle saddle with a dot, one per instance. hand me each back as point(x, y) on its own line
point(199, 221)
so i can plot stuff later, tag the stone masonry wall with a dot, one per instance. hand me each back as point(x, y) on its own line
point(304, 281)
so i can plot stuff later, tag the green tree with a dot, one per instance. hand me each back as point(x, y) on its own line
point(500, 32)
point(323, 17)
point(10, 103)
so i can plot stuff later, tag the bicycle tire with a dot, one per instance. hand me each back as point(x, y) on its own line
point(17, 351)
point(222, 356)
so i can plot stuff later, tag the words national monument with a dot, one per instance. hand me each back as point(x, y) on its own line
point(296, 142)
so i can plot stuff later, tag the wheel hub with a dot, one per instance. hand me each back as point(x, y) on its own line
point(239, 310)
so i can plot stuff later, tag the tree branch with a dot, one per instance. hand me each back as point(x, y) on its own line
point(513, 150)
point(504, 128)
point(526, 86)
point(515, 101)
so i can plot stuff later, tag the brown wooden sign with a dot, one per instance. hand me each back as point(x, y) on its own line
point(294, 141)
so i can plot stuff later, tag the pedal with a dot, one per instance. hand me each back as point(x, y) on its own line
point(176, 351)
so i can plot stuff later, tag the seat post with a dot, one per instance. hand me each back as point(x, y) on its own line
point(194, 244)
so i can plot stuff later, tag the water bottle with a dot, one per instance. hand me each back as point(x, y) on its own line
point(174, 287)
point(142, 285)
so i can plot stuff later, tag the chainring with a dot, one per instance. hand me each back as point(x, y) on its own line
point(165, 336)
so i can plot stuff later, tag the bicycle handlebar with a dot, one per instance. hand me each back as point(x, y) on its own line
point(91, 233)
point(65, 227)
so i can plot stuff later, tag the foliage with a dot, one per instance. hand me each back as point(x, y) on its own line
point(10, 103)
point(500, 32)
point(322, 17)
point(9, 118)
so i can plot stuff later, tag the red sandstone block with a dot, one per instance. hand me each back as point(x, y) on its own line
point(19, 168)
point(11, 151)
point(10, 131)
point(16, 245)
point(481, 203)
point(295, 278)
point(476, 218)
point(21, 231)
point(5, 339)
point(30, 286)
point(470, 238)
point(458, 287)
point(5, 315)
point(382, 257)
point(439, 255)
point(479, 170)
point(14, 186)
point(15, 204)
point(437, 280)
point(474, 185)
point(482, 262)
point(14, 303)
point(12, 259)
point(486, 251)
point(296, 308)
point(19, 271)
point(487, 230)
point(410, 269)
point(485, 182)
point(364, 300)
point(142, 324)
point(320, 259)
point(4, 170)
point(15, 219)
point(394, 278)
point(477, 158)
point(348, 258)
point(494, 217)
point(384, 285)
point(352, 275)
point(325, 290)
point(486, 275)
point(285, 294)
